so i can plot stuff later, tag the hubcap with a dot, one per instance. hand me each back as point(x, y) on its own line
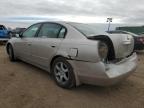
point(61, 72)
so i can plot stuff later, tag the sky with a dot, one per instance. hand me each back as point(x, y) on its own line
point(85, 11)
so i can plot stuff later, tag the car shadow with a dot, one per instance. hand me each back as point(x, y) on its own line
point(34, 68)
point(127, 85)
point(140, 52)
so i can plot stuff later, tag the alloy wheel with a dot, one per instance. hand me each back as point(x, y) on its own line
point(61, 72)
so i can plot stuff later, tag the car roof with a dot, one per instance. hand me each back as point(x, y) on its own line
point(2, 25)
point(60, 22)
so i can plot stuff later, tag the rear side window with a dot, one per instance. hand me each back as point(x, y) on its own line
point(62, 32)
point(50, 30)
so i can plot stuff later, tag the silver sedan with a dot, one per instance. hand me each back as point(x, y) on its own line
point(75, 53)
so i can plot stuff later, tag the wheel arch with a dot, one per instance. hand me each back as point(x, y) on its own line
point(52, 60)
point(67, 58)
point(7, 46)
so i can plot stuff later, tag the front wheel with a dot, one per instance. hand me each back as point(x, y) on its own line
point(63, 73)
point(11, 53)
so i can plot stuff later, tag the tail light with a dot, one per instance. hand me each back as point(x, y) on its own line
point(141, 39)
point(103, 50)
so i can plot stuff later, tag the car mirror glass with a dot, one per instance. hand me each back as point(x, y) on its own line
point(17, 35)
point(13, 35)
point(20, 35)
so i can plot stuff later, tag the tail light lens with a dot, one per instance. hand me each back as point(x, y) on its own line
point(141, 39)
point(103, 50)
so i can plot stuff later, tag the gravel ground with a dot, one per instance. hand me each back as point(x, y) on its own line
point(25, 86)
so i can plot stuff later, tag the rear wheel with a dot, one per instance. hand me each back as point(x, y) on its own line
point(63, 73)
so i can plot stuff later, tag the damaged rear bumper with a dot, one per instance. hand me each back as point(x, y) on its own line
point(99, 74)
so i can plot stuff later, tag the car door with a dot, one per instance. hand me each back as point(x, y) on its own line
point(23, 43)
point(48, 40)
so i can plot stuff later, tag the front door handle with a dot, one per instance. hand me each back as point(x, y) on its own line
point(53, 46)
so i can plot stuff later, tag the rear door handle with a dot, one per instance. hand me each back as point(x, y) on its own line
point(29, 44)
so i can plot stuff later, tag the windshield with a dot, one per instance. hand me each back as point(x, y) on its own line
point(89, 29)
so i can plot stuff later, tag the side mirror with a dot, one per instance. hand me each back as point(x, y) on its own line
point(17, 35)
point(20, 35)
point(13, 35)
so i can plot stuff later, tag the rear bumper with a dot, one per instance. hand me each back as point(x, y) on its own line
point(97, 74)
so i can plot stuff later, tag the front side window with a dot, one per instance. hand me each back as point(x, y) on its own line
point(31, 32)
point(50, 30)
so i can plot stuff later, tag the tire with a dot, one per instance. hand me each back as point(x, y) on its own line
point(63, 73)
point(11, 53)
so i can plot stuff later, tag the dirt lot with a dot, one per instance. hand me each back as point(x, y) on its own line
point(25, 86)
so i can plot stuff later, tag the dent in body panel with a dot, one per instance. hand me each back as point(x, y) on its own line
point(80, 50)
point(84, 69)
point(95, 73)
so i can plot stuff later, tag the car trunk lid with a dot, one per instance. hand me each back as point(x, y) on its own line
point(123, 44)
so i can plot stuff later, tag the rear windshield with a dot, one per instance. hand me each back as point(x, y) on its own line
point(89, 29)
